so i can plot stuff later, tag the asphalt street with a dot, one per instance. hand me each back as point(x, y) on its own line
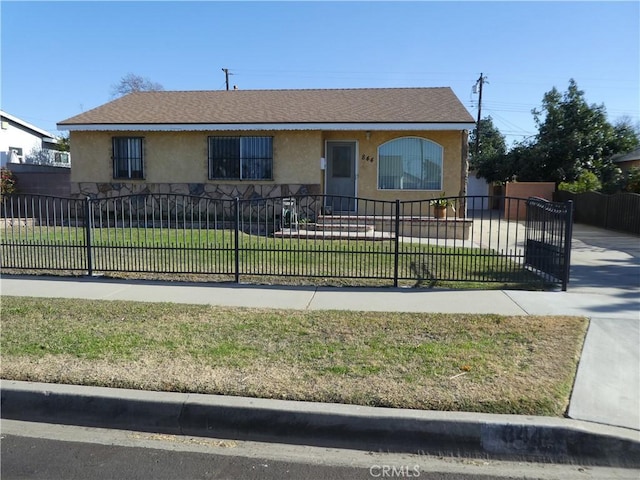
point(52, 452)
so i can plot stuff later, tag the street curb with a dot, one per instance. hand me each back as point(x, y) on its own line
point(322, 424)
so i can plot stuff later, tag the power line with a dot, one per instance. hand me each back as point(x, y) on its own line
point(510, 124)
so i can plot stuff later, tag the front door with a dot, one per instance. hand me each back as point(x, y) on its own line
point(341, 176)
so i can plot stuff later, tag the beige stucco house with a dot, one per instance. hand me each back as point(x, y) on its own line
point(387, 143)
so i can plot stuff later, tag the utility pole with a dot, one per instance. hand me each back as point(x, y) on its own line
point(226, 76)
point(478, 86)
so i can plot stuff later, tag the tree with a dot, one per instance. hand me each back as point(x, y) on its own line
point(46, 156)
point(624, 139)
point(632, 180)
point(626, 136)
point(489, 162)
point(64, 143)
point(134, 83)
point(522, 162)
point(572, 135)
point(587, 182)
point(39, 156)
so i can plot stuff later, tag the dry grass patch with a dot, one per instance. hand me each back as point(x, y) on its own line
point(484, 363)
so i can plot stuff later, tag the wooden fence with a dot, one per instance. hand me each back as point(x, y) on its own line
point(620, 211)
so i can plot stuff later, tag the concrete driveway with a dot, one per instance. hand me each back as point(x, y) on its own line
point(605, 273)
point(604, 261)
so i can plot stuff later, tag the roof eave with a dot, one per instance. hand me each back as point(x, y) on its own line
point(39, 131)
point(347, 126)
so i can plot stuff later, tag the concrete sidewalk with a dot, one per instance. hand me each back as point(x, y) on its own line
point(604, 286)
point(614, 303)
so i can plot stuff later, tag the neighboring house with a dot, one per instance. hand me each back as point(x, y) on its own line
point(21, 142)
point(628, 160)
point(385, 144)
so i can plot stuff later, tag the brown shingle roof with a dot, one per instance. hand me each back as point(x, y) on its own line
point(371, 105)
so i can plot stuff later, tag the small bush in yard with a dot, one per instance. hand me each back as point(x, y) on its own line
point(633, 180)
point(8, 181)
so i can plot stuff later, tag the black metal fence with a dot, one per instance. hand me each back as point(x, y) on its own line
point(620, 211)
point(373, 242)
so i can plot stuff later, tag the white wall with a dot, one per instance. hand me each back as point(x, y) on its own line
point(16, 134)
point(478, 187)
point(12, 135)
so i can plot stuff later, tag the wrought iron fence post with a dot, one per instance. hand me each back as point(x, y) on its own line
point(568, 233)
point(237, 241)
point(396, 256)
point(88, 215)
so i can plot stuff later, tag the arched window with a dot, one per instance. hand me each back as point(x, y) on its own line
point(410, 163)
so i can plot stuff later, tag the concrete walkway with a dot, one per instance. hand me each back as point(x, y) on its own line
point(604, 286)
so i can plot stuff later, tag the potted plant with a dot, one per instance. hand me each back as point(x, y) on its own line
point(440, 205)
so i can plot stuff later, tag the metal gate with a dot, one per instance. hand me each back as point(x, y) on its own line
point(548, 238)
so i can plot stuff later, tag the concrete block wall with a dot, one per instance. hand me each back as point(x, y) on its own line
point(42, 179)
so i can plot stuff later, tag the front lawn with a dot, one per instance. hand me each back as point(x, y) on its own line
point(212, 254)
point(482, 363)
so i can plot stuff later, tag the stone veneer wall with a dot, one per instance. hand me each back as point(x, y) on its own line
point(245, 191)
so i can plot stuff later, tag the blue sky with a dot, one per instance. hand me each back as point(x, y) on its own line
point(61, 58)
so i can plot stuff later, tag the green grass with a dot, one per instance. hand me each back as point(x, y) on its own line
point(211, 252)
point(483, 363)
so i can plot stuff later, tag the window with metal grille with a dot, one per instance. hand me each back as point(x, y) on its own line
point(241, 158)
point(127, 157)
point(410, 164)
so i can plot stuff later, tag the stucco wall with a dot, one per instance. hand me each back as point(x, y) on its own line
point(518, 210)
point(173, 158)
point(93, 150)
point(368, 171)
point(531, 189)
point(181, 157)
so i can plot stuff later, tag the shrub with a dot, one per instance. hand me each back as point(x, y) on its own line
point(633, 180)
point(8, 181)
point(586, 182)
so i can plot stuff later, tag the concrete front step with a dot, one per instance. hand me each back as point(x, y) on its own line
point(359, 219)
point(339, 227)
point(409, 226)
point(369, 234)
point(369, 227)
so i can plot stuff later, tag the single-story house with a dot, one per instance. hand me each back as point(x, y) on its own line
point(380, 143)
